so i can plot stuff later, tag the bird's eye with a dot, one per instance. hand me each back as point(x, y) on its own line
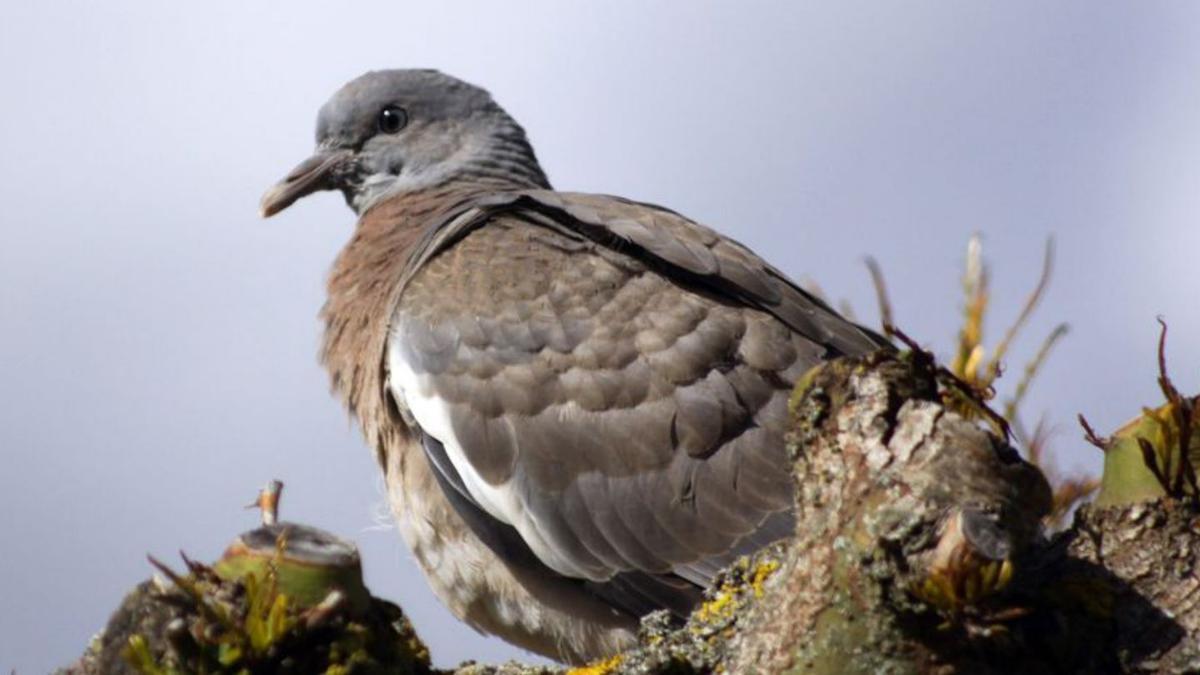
point(393, 118)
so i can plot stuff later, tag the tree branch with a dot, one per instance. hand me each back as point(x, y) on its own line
point(919, 548)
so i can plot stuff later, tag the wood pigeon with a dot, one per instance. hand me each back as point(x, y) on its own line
point(579, 401)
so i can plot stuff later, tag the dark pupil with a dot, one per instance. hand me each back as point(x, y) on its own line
point(392, 119)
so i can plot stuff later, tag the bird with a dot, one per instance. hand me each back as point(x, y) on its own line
point(578, 401)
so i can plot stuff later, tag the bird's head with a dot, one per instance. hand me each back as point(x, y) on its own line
point(395, 131)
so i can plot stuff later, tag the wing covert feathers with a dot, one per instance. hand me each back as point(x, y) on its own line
point(610, 381)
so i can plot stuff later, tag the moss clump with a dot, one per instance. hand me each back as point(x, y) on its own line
point(247, 625)
point(953, 590)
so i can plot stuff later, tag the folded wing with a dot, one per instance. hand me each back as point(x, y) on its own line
point(602, 387)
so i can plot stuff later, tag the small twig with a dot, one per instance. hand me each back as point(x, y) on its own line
point(1037, 442)
point(891, 330)
point(1164, 381)
point(267, 502)
point(189, 589)
point(1090, 435)
point(1032, 369)
point(978, 398)
point(1182, 409)
point(321, 613)
point(881, 292)
point(969, 393)
point(1024, 438)
point(1031, 303)
point(197, 568)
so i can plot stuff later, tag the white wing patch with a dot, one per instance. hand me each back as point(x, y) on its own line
point(503, 502)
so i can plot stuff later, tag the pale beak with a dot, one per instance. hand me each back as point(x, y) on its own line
point(313, 174)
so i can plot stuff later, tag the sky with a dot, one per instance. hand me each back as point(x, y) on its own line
point(158, 341)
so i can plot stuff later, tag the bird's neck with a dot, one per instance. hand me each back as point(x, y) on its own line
point(364, 288)
point(499, 159)
point(413, 208)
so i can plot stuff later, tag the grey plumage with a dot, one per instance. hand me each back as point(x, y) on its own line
point(648, 438)
point(595, 388)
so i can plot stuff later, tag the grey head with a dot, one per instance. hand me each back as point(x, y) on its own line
point(392, 131)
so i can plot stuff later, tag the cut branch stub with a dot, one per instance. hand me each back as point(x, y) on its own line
point(1153, 456)
point(909, 517)
point(1156, 454)
point(308, 563)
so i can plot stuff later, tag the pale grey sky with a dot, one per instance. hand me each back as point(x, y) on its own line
point(157, 341)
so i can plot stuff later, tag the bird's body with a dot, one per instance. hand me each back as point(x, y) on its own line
point(555, 619)
point(579, 401)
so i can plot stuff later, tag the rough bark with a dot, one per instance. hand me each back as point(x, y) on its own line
point(920, 548)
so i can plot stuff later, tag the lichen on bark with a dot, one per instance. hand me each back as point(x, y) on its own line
point(909, 517)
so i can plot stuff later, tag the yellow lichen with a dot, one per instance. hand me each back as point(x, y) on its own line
point(729, 598)
point(719, 607)
point(761, 574)
point(598, 668)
